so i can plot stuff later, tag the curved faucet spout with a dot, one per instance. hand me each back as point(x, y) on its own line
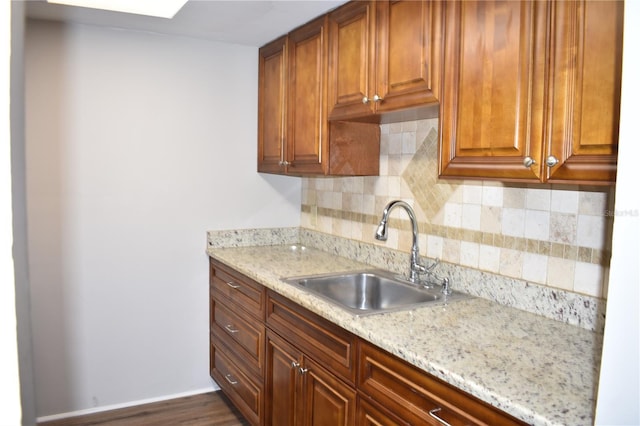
point(381, 234)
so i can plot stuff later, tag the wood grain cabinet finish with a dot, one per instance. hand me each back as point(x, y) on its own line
point(238, 333)
point(531, 91)
point(384, 58)
point(294, 136)
point(301, 392)
point(419, 398)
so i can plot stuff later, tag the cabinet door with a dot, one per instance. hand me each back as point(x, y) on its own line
point(307, 134)
point(281, 382)
point(408, 54)
point(327, 400)
point(492, 105)
point(272, 73)
point(351, 51)
point(585, 90)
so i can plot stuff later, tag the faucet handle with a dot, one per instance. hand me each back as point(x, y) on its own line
point(433, 265)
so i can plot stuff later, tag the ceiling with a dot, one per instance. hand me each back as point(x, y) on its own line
point(252, 23)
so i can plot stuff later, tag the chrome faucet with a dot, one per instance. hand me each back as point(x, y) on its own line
point(381, 234)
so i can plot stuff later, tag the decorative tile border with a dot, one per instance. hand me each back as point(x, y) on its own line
point(546, 248)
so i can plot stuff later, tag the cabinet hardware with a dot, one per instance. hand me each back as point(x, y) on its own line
point(303, 371)
point(294, 364)
point(230, 328)
point(433, 414)
point(376, 98)
point(528, 161)
point(551, 161)
point(284, 163)
point(231, 381)
point(233, 285)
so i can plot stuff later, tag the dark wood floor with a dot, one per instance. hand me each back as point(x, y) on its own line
point(208, 409)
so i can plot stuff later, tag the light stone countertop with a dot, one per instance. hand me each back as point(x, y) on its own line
point(541, 371)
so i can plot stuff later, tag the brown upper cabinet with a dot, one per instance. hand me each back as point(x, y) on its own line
point(384, 59)
point(531, 91)
point(294, 136)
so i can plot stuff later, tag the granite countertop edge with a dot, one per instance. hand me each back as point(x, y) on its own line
point(449, 342)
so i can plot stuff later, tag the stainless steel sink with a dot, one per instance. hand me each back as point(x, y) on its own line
point(370, 292)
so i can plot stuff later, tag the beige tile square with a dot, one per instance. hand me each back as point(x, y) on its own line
point(472, 193)
point(536, 224)
point(591, 231)
point(534, 268)
point(563, 228)
point(492, 195)
point(434, 246)
point(592, 203)
point(491, 219)
point(538, 199)
point(451, 250)
point(514, 197)
point(409, 142)
point(589, 279)
point(489, 258)
point(453, 215)
point(560, 273)
point(564, 201)
point(469, 254)
point(513, 221)
point(511, 262)
point(471, 216)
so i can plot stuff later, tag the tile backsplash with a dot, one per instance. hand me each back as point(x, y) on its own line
point(554, 235)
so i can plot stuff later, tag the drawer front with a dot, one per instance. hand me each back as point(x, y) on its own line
point(240, 291)
point(243, 336)
point(416, 396)
point(247, 395)
point(320, 339)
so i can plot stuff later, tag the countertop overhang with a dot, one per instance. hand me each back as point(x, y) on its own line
point(541, 371)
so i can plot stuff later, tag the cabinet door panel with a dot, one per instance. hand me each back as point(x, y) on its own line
point(350, 53)
point(491, 113)
point(328, 401)
point(409, 38)
point(281, 379)
point(585, 78)
point(271, 106)
point(306, 106)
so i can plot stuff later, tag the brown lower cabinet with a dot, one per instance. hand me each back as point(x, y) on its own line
point(282, 365)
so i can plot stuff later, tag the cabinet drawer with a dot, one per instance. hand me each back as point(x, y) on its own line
point(322, 340)
point(416, 396)
point(240, 291)
point(247, 395)
point(244, 336)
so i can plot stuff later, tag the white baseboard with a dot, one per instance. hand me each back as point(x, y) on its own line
point(212, 388)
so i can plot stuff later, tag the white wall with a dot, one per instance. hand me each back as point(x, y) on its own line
point(10, 412)
point(619, 388)
point(137, 144)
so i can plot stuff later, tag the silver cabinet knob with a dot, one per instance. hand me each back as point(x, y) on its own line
point(365, 100)
point(528, 161)
point(284, 163)
point(551, 161)
point(294, 364)
point(377, 98)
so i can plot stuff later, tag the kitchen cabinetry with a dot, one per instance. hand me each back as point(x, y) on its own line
point(384, 58)
point(310, 369)
point(294, 136)
point(531, 91)
point(238, 339)
point(293, 367)
point(414, 397)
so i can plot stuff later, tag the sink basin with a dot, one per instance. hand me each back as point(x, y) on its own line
point(369, 292)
